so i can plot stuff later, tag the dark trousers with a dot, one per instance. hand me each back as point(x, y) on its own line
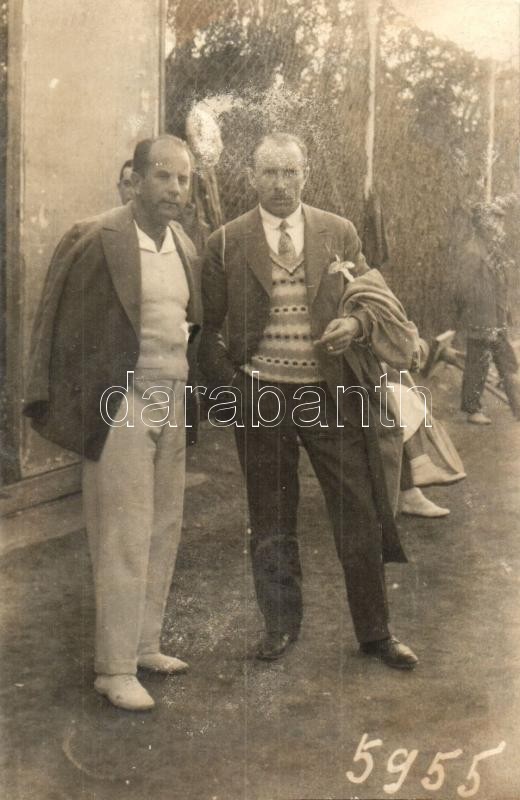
point(479, 353)
point(406, 474)
point(269, 459)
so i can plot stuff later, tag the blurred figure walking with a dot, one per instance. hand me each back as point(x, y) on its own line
point(481, 298)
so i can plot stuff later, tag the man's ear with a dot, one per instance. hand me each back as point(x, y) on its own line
point(306, 171)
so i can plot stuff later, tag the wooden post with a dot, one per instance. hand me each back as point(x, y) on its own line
point(491, 129)
point(372, 9)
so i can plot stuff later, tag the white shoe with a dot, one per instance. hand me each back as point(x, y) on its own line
point(479, 418)
point(158, 662)
point(124, 691)
point(426, 473)
point(413, 502)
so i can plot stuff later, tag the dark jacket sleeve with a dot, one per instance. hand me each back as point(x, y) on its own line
point(214, 360)
point(37, 387)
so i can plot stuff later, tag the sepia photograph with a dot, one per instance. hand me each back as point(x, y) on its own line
point(259, 399)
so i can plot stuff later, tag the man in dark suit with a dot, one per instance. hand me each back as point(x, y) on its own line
point(107, 380)
point(483, 306)
point(272, 274)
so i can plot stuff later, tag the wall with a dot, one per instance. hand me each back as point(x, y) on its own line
point(85, 85)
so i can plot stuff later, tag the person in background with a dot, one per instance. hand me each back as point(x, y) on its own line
point(422, 435)
point(482, 302)
point(419, 471)
point(125, 184)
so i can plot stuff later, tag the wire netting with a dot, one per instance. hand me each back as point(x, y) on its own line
point(303, 66)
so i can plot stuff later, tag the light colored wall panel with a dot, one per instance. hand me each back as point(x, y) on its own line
point(90, 86)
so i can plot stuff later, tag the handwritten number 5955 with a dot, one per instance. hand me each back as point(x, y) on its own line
point(402, 760)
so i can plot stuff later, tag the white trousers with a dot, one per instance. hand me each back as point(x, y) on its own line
point(133, 502)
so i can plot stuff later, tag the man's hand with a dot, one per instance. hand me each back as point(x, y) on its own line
point(338, 335)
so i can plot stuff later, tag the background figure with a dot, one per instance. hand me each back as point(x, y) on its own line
point(124, 185)
point(483, 306)
point(419, 470)
point(113, 323)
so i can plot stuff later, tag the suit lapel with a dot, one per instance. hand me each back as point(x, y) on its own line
point(317, 249)
point(121, 250)
point(318, 252)
point(256, 250)
point(194, 313)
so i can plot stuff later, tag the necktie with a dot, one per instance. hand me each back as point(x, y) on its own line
point(286, 247)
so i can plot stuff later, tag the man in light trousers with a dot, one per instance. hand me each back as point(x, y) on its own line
point(108, 373)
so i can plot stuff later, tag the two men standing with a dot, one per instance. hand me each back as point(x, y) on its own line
point(120, 296)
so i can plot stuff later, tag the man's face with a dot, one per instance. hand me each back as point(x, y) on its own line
point(125, 186)
point(278, 177)
point(165, 188)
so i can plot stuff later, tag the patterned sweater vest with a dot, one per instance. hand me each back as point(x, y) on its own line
point(286, 353)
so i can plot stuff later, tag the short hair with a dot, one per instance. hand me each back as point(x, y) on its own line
point(141, 160)
point(128, 163)
point(280, 138)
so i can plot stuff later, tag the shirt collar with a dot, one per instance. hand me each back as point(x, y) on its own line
point(148, 244)
point(293, 220)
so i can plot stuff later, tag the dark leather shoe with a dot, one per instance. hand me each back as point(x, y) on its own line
point(274, 645)
point(391, 652)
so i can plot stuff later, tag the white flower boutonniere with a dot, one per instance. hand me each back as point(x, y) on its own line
point(344, 267)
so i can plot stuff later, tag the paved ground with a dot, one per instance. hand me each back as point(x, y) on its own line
point(237, 729)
